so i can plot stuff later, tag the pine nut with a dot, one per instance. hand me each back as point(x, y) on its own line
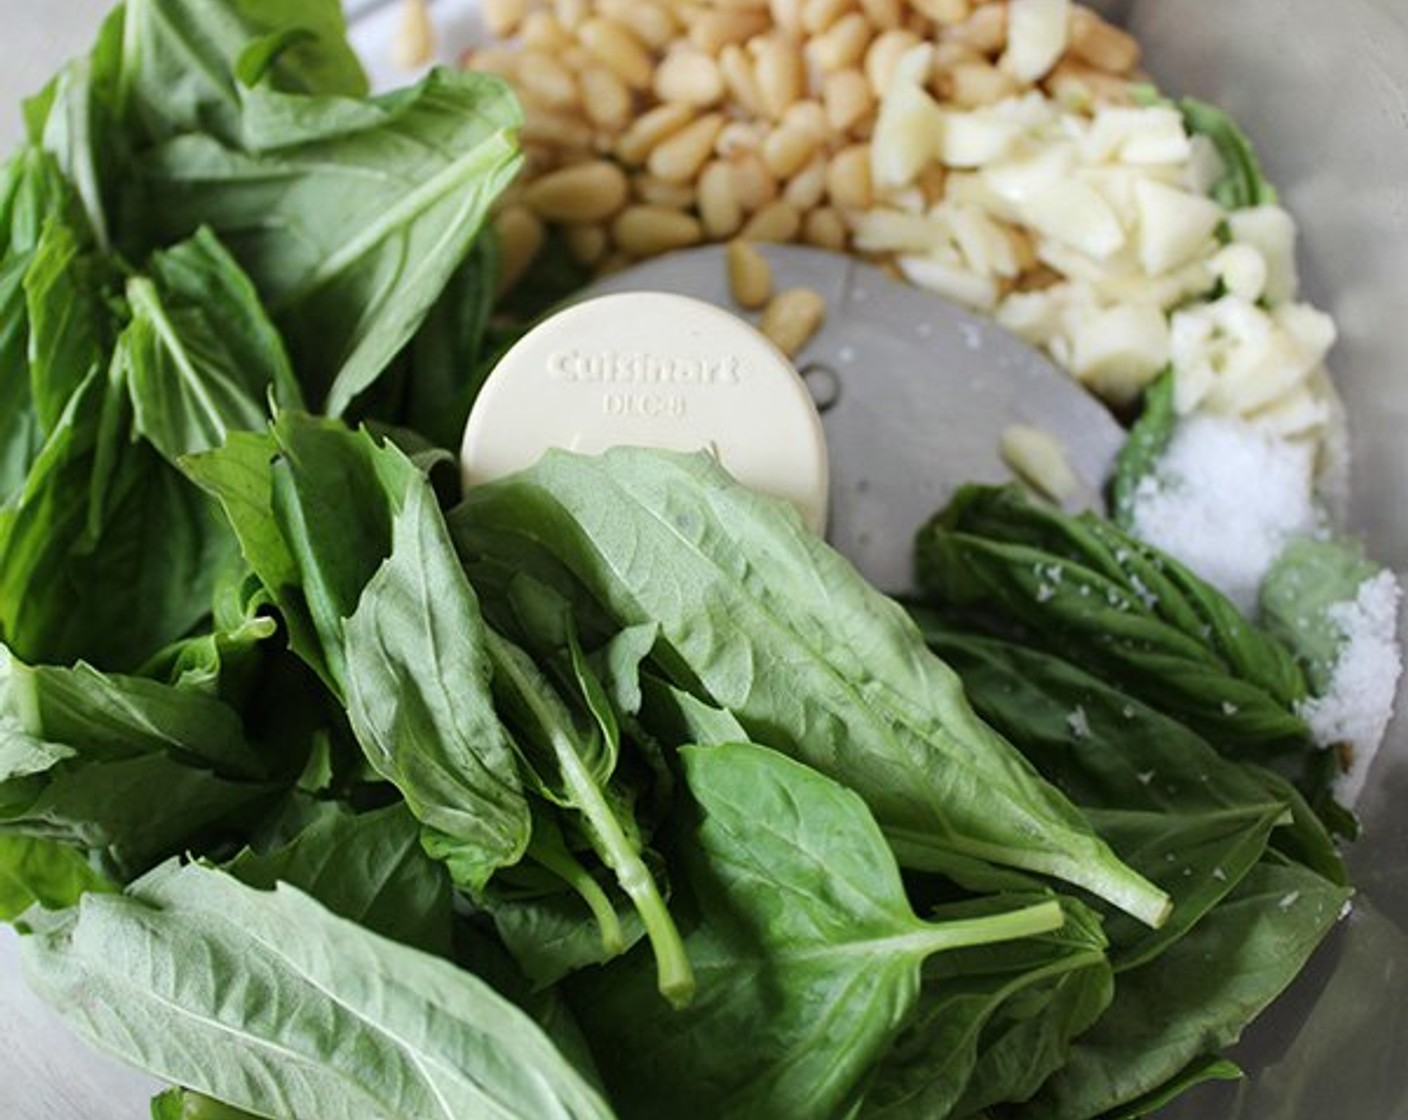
point(825, 229)
point(741, 79)
point(884, 55)
point(521, 236)
point(543, 78)
point(1023, 248)
point(584, 192)
point(787, 148)
point(946, 13)
point(542, 32)
point(587, 244)
point(662, 192)
point(739, 136)
point(742, 5)
point(614, 263)
point(504, 17)
point(843, 46)
point(781, 74)
point(808, 115)
point(985, 31)
point(975, 84)
point(753, 184)
point(1101, 44)
point(689, 76)
point(649, 129)
point(819, 15)
point(646, 231)
point(932, 182)
point(678, 159)
point(787, 16)
point(848, 98)
point(615, 47)
point(848, 180)
point(648, 22)
point(792, 318)
point(559, 130)
point(719, 208)
point(494, 60)
point(605, 98)
point(885, 15)
point(777, 221)
point(414, 45)
point(570, 13)
point(808, 186)
point(714, 30)
point(749, 275)
point(1079, 86)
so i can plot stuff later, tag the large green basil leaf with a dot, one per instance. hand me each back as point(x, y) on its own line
point(808, 954)
point(369, 868)
point(350, 216)
point(758, 616)
point(267, 1001)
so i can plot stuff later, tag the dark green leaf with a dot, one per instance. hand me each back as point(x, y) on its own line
point(1089, 592)
point(1198, 995)
point(808, 955)
point(182, 1104)
point(991, 1024)
point(368, 868)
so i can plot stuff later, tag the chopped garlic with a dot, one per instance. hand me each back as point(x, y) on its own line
point(1038, 32)
point(1174, 226)
point(1040, 460)
point(1119, 350)
point(909, 129)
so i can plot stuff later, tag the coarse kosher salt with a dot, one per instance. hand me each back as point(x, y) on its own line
point(1225, 498)
point(1358, 705)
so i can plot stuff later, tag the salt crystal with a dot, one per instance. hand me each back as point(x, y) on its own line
point(1079, 723)
point(1358, 705)
point(1225, 498)
point(1288, 900)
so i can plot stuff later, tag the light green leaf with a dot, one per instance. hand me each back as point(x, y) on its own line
point(268, 1002)
point(43, 872)
point(411, 176)
point(758, 616)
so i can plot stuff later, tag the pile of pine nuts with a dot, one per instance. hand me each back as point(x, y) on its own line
point(653, 125)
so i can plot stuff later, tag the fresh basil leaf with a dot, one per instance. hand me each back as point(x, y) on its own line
point(1198, 995)
point(412, 175)
point(44, 873)
point(991, 1024)
point(75, 119)
point(1083, 589)
point(808, 953)
point(334, 1020)
point(1114, 755)
point(418, 668)
point(751, 589)
point(133, 811)
point(554, 935)
point(1243, 183)
point(1309, 578)
point(70, 324)
point(182, 1104)
point(1147, 441)
point(103, 523)
point(1198, 1072)
point(111, 717)
point(180, 74)
point(20, 434)
point(199, 355)
point(369, 868)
